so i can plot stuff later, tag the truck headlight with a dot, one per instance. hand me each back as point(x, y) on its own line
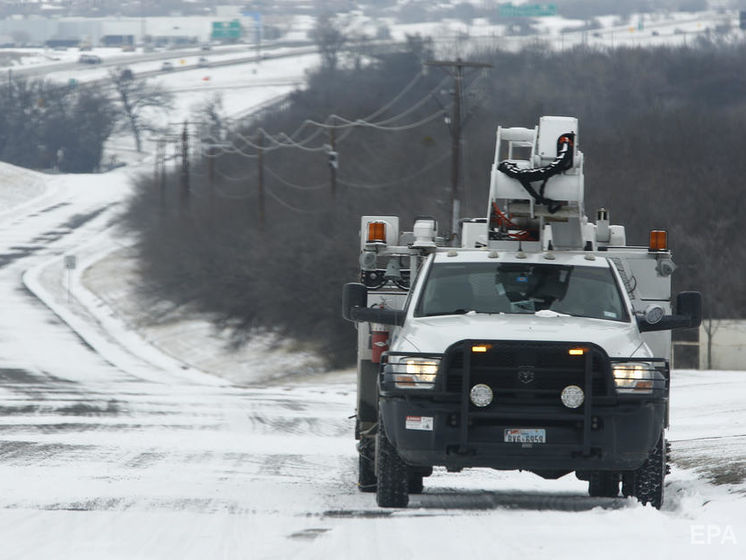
point(635, 377)
point(416, 373)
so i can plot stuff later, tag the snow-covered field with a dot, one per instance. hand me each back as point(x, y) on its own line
point(115, 443)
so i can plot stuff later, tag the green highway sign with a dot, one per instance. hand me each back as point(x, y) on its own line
point(526, 10)
point(226, 29)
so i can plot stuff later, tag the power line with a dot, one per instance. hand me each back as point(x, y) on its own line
point(364, 124)
point(231, 196)
point(401, 94)
point(333, 124)
point(283, 140)
point(397, 181)
point(227, 177)
point(457, 74)
point(374, 114)
point(290, 206)
point(287, 183)
point(289, 141)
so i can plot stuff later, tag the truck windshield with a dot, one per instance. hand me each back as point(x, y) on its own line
point(582, 291)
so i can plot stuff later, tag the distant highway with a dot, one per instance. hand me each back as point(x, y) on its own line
point(267, 53)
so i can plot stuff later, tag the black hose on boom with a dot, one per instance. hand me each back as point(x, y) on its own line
point(562, 162)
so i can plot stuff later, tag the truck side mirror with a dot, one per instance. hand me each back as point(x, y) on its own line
point(689, 304)
point(355, 307)
point(353, 295)
point(688, 315)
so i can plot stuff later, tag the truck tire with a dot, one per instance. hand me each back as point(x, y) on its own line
point(392, 489)
point(603, 484)
point(649, 478)
point(366, 476)
point(415, 484)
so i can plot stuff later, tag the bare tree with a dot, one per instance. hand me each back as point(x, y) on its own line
point(212, 118)
point(358, 48)
point(45, 125)
point(330, 40)
point(138, 101)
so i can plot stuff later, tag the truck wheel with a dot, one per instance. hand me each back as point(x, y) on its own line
point(366, 475)
point(650, 476)
point(415, 484)
point(603, 484)
point(392, 487)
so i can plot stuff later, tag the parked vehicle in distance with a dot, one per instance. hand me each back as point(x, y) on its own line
point(167, 66)
point(89, 59)
point(203, 62)
point(126, 74)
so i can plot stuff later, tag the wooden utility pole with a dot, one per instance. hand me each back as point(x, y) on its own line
point(185, 190)
point(211, 156)
point(211, 167)
point(157, 160)
point(333, 160)
point(159, 174)
point(164, 158)
point(260, 176)
point(456, 69)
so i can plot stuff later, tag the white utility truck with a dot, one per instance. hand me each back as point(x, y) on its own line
point(541, 342)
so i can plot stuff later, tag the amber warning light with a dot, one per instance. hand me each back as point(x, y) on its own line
point(576, 351)
point(658, 240)
point(376, 232)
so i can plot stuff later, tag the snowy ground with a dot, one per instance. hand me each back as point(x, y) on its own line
point(112, 448)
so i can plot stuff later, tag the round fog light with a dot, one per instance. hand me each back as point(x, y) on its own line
point(481, 395)
point(572, 396)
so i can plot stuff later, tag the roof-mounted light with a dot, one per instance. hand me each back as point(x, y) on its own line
point(425, 229)
point(658, 240)
point(376, 232)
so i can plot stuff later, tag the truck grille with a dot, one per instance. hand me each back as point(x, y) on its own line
point(527, 373)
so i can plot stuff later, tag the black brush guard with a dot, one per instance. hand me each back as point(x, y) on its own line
point(505, 367)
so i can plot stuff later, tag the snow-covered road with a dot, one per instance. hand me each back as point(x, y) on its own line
point(124, 456)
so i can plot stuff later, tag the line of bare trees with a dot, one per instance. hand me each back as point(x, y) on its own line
point(662, 130)
point(50, 125)
point(45, 125)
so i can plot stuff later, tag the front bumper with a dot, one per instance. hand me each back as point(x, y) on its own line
point(442, 427)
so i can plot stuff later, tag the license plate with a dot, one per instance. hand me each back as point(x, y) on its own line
point(522, 435)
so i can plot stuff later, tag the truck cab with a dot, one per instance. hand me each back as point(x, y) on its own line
point(539, 342)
